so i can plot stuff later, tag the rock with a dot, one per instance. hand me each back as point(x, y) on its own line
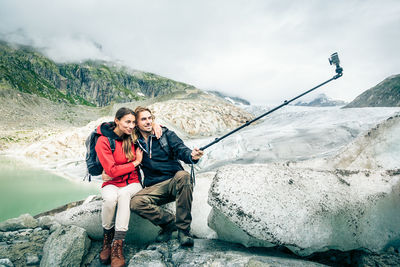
point(382, 260)
point(6, 263)
point(390, 249)
point(54, 227)
point(46, 221)
point(19, 246)
point(88, 216)
point(147, 258)
point(256, 206)
point(32, 259)
point(65, 247)
point(92, 258)
point(207, 252)
point(141, 231)
point(22, 222)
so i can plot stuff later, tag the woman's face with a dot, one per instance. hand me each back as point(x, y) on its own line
point(126, 124)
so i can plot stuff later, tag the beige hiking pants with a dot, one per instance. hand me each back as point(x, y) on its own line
point(120, 198)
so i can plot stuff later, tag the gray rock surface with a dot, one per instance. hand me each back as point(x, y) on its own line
point(20, 246)
point(46, 221)
point(88, 216)
point(65, 247)
point(306, 210)
point(22, 222)
point(211, 253)
point(383, 260)
point(6, 263)
point(32, 260)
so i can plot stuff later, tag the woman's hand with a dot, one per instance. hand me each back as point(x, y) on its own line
point(105, 177)
point(139, 157)
point(157, 130)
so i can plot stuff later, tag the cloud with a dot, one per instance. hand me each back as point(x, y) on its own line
point(264, 51)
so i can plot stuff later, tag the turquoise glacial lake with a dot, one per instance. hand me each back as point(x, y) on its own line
point(25, 189)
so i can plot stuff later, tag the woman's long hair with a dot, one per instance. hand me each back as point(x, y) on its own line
point(128, 140)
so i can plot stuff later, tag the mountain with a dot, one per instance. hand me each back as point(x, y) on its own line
point(92, 83)
point(321, 100)
point(384, 94)
point(232, 99)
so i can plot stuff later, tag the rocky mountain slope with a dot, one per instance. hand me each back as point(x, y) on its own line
point(92, 83)
point(27, 118)
point(384, 94)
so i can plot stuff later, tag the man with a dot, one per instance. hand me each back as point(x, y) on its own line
point(164, 179)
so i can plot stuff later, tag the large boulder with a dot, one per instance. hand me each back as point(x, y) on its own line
point(304, 209)
point(65, 247)
point(141, 231)
point(88, 216)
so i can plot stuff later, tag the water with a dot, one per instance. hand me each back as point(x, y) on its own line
point(25, 189)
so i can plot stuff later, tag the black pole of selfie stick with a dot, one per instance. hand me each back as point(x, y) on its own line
point(334, 59)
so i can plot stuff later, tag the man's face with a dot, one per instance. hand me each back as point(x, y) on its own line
point(144, 122)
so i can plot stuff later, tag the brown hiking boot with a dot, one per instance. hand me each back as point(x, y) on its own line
point(117, 257)
point(105, 252)
point(166, 232)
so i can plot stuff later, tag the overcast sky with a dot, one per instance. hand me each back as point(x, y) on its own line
point(264, 51)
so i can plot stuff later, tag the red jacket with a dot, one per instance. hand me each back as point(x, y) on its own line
point(115, 164)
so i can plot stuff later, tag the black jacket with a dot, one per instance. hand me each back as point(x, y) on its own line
point(158, 164)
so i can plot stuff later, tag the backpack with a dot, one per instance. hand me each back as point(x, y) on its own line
point(92, 161)
point(164, 143)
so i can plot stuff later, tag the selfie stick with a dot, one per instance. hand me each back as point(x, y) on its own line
point(333, 60)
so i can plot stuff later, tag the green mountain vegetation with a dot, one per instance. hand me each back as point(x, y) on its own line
point(384, 94)
point(91, 83)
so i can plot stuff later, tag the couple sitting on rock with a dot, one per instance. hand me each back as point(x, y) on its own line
point(140, 141)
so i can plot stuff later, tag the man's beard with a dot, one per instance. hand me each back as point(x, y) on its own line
point(145, 130)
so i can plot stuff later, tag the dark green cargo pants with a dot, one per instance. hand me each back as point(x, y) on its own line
point(147, 202)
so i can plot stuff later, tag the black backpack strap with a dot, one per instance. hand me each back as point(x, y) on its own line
point(112, 144)
point(164, 142)
point(88, 177)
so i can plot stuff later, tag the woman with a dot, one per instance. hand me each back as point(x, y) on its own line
point(123, 183)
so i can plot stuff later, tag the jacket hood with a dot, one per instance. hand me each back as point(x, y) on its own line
point(107, 129)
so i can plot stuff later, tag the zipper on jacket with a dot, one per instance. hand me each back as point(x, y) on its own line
point(151, 143)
